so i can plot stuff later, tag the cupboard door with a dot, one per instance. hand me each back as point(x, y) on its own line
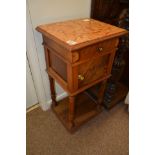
point(93, 70)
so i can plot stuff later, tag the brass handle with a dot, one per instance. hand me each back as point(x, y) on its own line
point(100, 49)
point(80, 77)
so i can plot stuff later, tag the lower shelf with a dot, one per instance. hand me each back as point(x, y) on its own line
point(118, 96)
point(85, 109)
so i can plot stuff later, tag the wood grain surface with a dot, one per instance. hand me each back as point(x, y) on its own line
point(78, 33)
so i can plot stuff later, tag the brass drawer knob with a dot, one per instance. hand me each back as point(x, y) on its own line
point(100, 49)
point(80, 77)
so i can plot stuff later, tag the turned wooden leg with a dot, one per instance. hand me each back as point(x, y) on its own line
point(53, 94)
point(71, 110)
point(101, 93)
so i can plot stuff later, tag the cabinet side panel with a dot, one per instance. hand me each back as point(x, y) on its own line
point(58, 65)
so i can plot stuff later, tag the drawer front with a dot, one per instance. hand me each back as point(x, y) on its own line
point(96, 50)
point(93, 70)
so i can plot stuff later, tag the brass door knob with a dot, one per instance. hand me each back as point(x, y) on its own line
point(100, 49)
point(80, 77)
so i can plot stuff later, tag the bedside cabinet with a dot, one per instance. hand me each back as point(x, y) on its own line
point(79, 54)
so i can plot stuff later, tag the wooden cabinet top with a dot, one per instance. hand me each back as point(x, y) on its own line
point(75, 34)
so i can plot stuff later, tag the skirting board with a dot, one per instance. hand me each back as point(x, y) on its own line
point(47, 106)
point(32, 107)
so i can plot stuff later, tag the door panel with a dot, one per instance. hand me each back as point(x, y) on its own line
point(31, 97)
point(93, 70)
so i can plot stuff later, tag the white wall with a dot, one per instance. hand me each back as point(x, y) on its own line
point(48, 11)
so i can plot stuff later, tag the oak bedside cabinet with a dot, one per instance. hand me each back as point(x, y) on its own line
point(79, 54)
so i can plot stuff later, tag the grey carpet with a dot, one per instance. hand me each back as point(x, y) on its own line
point(106, 134)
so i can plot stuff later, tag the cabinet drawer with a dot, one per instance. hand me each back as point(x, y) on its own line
point(98, 49)
point(93, 70)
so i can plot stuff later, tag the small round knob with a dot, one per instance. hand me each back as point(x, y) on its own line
point(100, 49)
point(80, 77)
